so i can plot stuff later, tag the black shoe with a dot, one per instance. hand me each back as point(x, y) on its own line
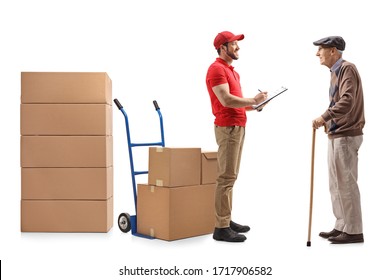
point(332, 233)
point(344, 238)
point(227, 234)
point(239, 228)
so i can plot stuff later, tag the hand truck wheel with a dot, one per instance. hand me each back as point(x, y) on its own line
point(124, 222)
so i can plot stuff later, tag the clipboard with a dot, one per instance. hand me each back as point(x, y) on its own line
point(271, 96)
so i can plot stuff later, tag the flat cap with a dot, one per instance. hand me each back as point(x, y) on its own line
point(331, 41)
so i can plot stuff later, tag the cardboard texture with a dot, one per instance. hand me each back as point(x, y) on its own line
point(177, 212)
point(66, 87)
point(67, 183)
point(66, 151)
point(66, 119)
point(66, 215)
point(173, 167)
point(209, 167)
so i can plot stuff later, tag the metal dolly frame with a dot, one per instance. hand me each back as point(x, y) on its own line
point(128, 222)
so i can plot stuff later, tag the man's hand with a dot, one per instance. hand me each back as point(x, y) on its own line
point(260, 97)
point(318, 122)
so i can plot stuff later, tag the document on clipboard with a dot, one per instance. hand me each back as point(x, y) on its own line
point(271, 96)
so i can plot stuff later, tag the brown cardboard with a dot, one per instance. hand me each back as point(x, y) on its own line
point(66, 215)
point(67, 183)
point(209, 167)
point(65, 119)
point(66, 87)
point(66, 151)
point(172, 167)
point(177, 212)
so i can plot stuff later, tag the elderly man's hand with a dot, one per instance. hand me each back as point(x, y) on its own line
point(318, 122)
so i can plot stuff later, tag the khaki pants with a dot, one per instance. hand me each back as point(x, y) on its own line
point(344, 189)
point(230, 141)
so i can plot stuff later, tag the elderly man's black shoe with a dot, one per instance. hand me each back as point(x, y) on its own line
point(332, 233)
point(345, 238)
point(228, 235)
point(239, 228)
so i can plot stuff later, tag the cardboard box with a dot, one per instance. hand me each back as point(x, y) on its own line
point(66, 151)
point(65, 119)
point(209, 167)
point(67, 183)
point(172, 167)
point(175, 213)
point(66, 87)
point(66, 215)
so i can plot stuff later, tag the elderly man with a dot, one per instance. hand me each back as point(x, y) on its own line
point(344, 121)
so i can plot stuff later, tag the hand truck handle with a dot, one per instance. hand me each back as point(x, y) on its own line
point(156, 105)
point(118, 104)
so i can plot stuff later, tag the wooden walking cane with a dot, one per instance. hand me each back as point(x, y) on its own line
point(313, 144)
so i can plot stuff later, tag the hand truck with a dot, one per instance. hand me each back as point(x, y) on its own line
point(125, 221)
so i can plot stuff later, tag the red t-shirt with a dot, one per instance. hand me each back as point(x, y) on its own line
point(221, 73)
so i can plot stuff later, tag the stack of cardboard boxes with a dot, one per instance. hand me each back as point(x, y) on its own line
point(66, 152)
point(178, 201)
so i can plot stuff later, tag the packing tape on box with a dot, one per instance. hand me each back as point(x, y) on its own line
point(159, 183)
point(151, 232)
point(159, 149)
point(152, 188)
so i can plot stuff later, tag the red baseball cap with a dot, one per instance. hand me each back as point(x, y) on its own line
point(225, 37)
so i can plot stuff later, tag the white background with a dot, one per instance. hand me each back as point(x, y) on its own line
point(160, 50)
